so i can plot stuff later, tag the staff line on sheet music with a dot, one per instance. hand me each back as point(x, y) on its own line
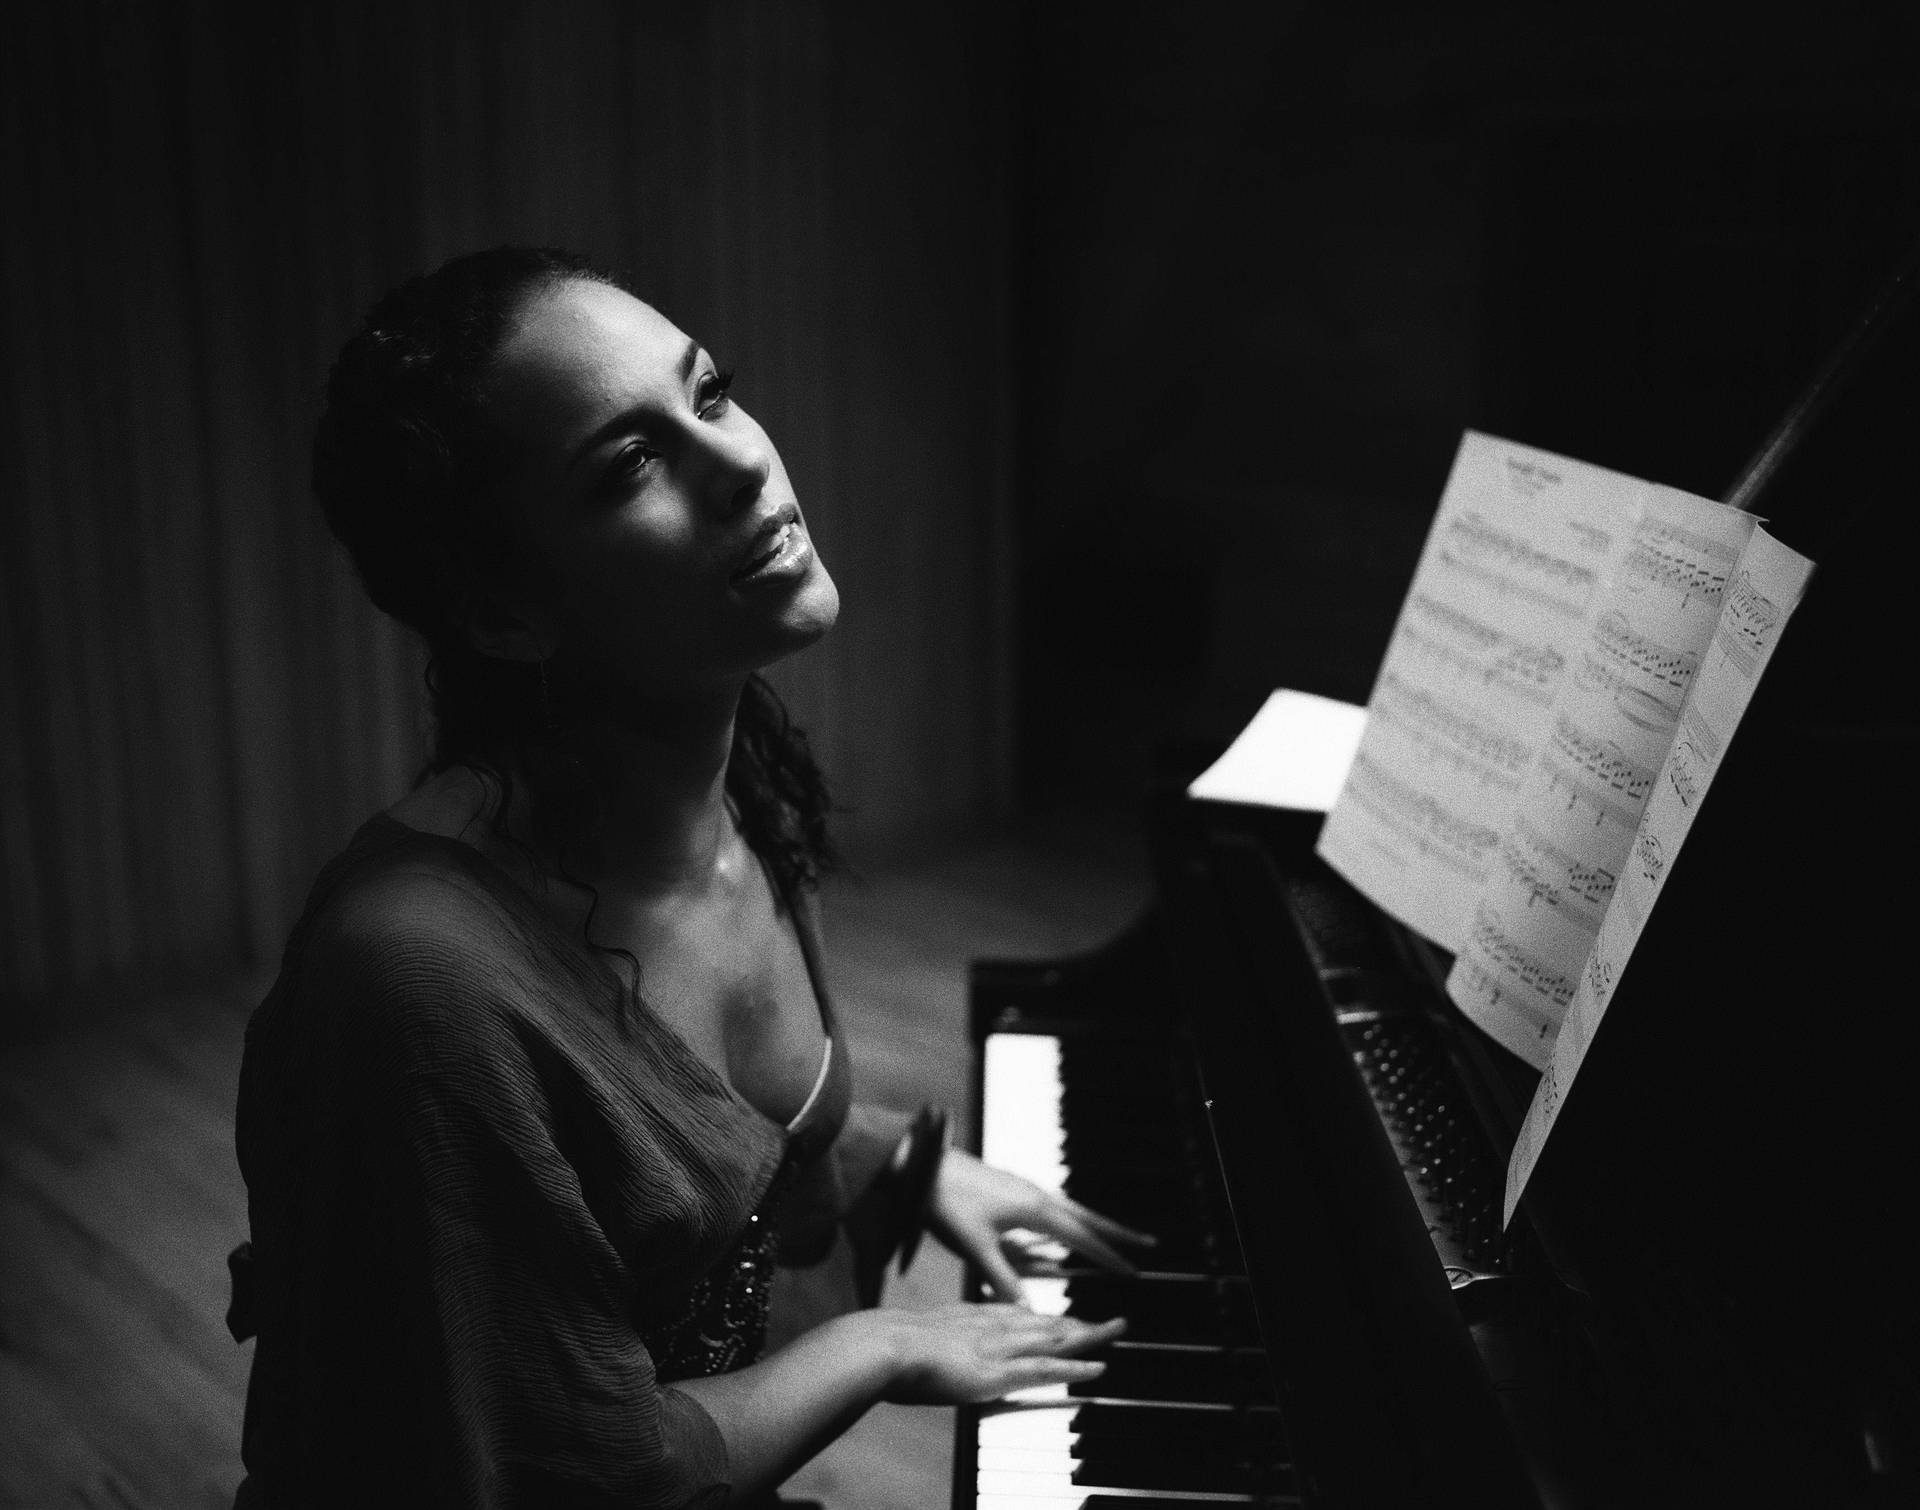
point(1490, 941)
point(1457, 736)
point(1635, 654)
point(1500, 582)
point(1550, 875)
point(1526, 671)
point(1421, 820)
point(1679, 560)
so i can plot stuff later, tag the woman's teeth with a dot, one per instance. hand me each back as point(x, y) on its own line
point(776, 543)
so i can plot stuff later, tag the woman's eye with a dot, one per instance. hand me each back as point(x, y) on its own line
point(632, 458)
point(711, 399)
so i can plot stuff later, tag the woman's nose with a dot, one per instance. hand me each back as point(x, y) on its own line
point(737, 460)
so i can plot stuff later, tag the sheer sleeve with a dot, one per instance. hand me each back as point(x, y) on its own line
point(448, 1256)
point(524, 1325)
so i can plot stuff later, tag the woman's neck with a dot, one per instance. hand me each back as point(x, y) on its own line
point(664, 820)
point(659, 777)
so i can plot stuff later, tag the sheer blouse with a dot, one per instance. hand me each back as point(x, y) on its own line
point(495, 1210)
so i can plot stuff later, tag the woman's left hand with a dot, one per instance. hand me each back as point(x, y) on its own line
point(974, 1204)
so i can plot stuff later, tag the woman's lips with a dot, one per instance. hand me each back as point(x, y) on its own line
point(786, 552)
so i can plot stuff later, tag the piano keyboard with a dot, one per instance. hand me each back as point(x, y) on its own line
point(1184, 1414)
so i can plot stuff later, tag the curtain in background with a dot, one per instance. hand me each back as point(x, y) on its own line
point(195, 706)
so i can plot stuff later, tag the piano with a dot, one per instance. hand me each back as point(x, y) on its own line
point(1707, 1297)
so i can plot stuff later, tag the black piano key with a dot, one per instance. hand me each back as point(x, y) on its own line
point(1137, 1503)
point(1254, 1433)
point(1221, 1378)
point(1206, 1451)
point(1216, 1313)
point(1170, 1474)
point(1144, 1448)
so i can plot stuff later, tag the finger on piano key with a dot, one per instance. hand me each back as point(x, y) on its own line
point(1159, 1308)
point(1047, 1296)
point(1038, 1394)
point(1112, 1231)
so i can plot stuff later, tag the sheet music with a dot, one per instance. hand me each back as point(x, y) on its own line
point(1566, 841)
point(1294, 754)
point(1762, 590)
point(1498, 611)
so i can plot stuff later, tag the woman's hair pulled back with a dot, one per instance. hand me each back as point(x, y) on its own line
point(404, 463)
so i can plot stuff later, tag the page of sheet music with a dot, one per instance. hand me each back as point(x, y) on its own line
point(1295, 754)
point(1763, 590)
point(1574, 817)
point(1464, 700)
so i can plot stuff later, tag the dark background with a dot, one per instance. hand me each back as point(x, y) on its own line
point(1119, 352)
point(1274, 267)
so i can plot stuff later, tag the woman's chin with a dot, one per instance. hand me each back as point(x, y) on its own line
point(813, 610)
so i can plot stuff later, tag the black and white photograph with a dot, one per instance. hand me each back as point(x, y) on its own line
point(971, 755)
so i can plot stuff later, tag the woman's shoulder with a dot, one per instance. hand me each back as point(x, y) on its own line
point(408, 956)
point(406, 903)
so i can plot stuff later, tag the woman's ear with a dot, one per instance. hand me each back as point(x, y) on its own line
point(491, 621)
point(512, 633)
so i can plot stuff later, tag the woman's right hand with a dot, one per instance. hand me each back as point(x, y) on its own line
point(965, 1353)
point(774, 1414)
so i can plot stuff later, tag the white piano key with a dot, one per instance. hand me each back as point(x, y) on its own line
point(1046, 1296)
point(1049, 1426)
point(1021, 1129)
point(1058, 1486)
point(1023, 1459)
point(1060, 1489)
point(1045, 1491)
point(1038, 1394)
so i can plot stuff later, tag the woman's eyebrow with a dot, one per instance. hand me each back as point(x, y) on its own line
point(626, 419)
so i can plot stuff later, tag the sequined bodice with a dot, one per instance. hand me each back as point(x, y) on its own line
point(724, 1325)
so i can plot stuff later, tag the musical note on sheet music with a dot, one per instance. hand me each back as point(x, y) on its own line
point(1749, 625)
point(1653, 858)
point(1472, 650)
point(1761, 594)
point(1420, 820)
point(1522, 542)
point(1472, 745)
point(1550, 1089)
point(1508, 563)
point(1510, 987)
point(1691, 564)
point(1598, 979)
point(1619, 654)
point(1494, 943)
point(1686, 771)
point(1613, 724)
point(1594, 772)
point(1548, 875)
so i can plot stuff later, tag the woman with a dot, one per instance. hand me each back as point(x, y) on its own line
point(548, 1077)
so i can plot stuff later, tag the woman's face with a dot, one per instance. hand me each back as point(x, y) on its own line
point(660, 508)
